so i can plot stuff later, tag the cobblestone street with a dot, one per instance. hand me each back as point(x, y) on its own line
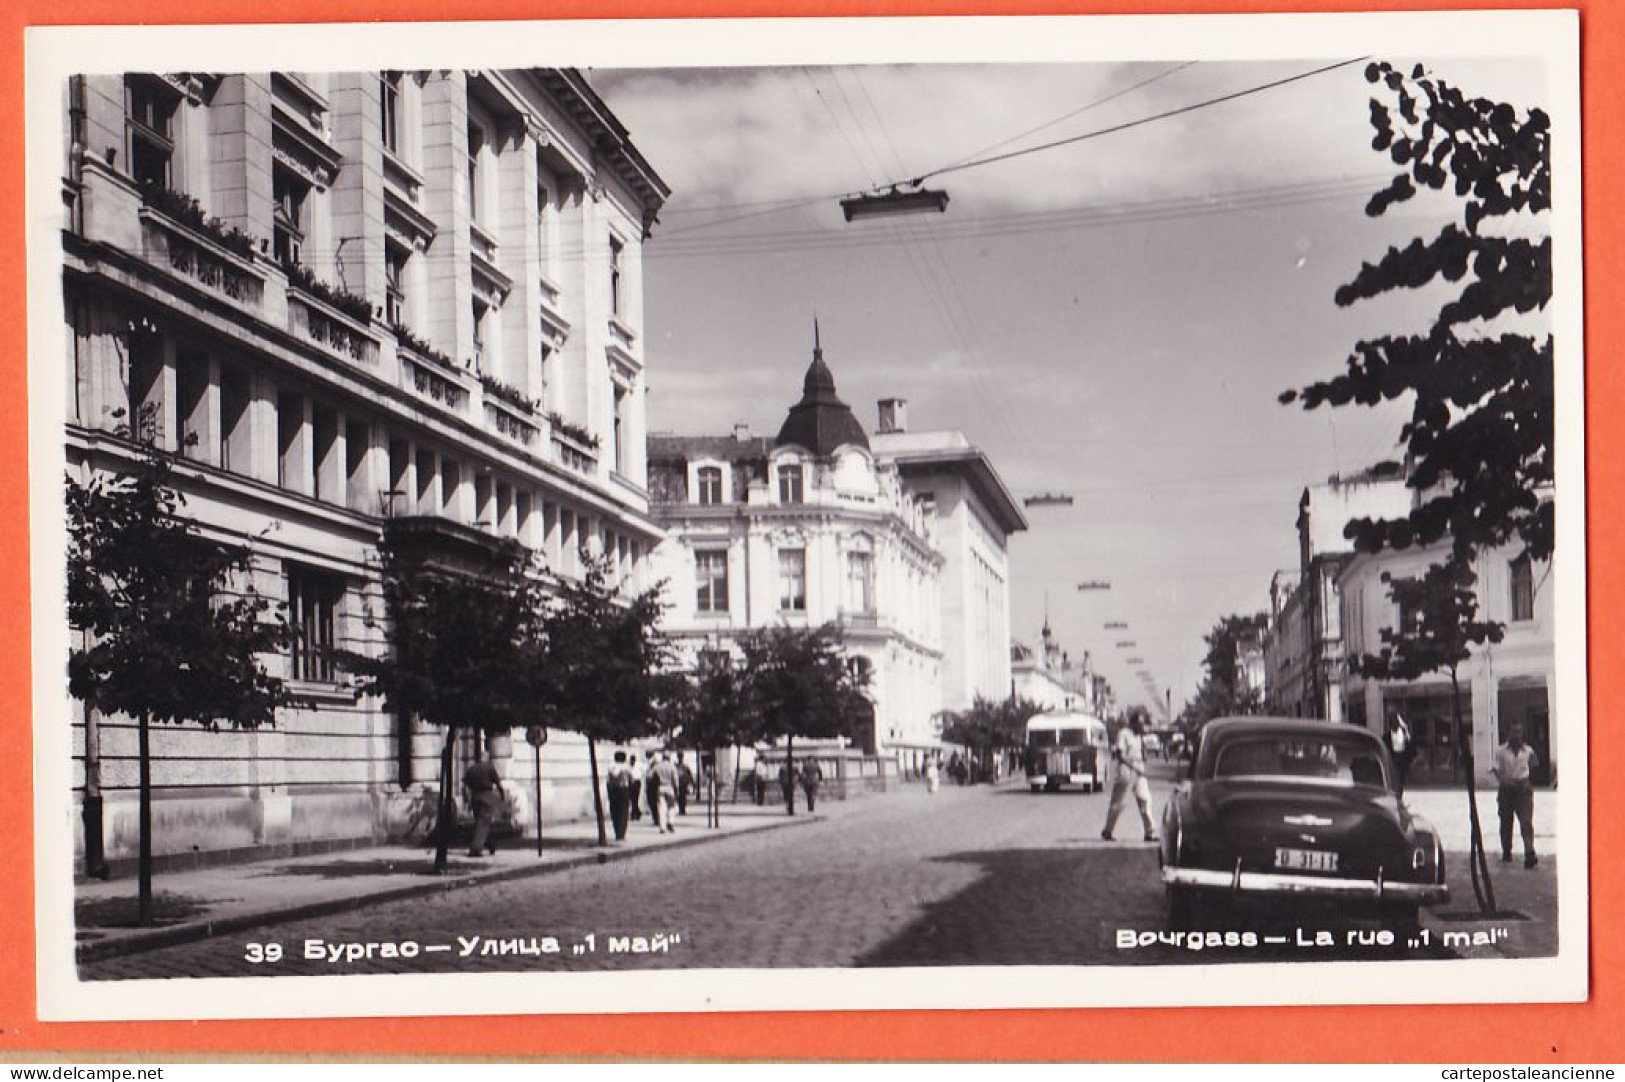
point(968, 876)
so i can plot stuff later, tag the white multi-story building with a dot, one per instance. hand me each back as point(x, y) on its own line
point(353, 302)
point(1512, 681)
point(1304, 643)
point(803, 530)
point(891, 538)
point(975, 516)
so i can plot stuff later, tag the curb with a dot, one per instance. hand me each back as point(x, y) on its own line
point(197, 931)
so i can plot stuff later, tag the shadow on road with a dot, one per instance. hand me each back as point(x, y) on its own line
point(123, 912)
point(1104, 906)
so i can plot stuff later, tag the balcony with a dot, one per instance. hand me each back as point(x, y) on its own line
point(434, 380)
point(860, 620)
point(340, 335)
point(202, 260)
point(574, 446)
point(509, 413)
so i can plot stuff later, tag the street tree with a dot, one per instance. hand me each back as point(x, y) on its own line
point(1439, 627)
point(1479, 380)
point(466, 645)
point(602, 673)
point(799, 684)
point(174, 631)
point(1479, 436)
point(989, 726)
point(713, 712)
point(1223, 691)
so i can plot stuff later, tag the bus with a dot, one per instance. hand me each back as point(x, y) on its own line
point(1067, 748)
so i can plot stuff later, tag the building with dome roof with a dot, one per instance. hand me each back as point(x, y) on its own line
point(816, 526)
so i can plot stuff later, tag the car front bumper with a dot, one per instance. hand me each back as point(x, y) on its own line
point(1238, 881)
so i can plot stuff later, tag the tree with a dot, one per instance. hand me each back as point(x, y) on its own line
point(602, 671)
point(1437, 633)
point(466, 644)
point(712, 712)
point(174, 630)
point(990, 725)
point(1479, 437)
point(798, 683)
point(1223, 691)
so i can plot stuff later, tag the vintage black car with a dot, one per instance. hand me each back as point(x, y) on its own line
point(1288, 809)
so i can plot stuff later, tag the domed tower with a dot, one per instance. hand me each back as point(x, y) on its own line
point(820, 422)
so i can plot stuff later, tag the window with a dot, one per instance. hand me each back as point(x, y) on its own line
point(313, 608)
point(476, 147)
point(288, 215)
point(710, 484)
point(235, 440)
point(711, 578)
point(481, 309)
point(793, 580)
point(149, 113)
point(395, 258)
point(1410, 617)
point(860, 582)
point(543, 208)
point(617, 278)
point(619, 435)
point(293, 455)
point(389, 94)
point(790, 484)
point(1522, 573)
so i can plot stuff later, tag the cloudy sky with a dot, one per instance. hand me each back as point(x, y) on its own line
point(1111, 319)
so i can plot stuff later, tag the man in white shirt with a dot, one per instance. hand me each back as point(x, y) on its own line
point(1516, 797)
point(1128, 752)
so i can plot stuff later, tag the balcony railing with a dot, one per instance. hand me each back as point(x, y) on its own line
point(200, 259)
point(434, 382)
point(510, 421)
point(331, 329)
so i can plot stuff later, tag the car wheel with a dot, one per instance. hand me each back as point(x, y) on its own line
point(1180, 907)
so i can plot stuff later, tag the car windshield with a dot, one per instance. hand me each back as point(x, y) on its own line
point(1299, 758)
point(1041, 738)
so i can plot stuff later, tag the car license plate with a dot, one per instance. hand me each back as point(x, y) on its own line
point(1306, 860)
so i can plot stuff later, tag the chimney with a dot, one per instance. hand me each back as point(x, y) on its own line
point(741, 432)
point(893, 415)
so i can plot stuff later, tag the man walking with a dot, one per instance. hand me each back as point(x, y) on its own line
point(484, 797)
point(1401, 749)
point(636, 768)
point(1516, 795)
point(619, 784)
point(812, 776)
point(1129, 754)
point(685, 784)
point(663, 783)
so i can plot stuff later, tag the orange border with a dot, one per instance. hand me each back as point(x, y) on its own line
point(1514, 1034)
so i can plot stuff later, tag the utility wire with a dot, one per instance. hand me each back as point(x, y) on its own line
point(1126, 125)
point(1161, 75)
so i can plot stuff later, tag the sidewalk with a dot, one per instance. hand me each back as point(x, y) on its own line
point(194, 905)
point(1446, 809)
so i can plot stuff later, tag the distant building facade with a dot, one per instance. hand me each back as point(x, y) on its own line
point(1304, 656)
point(975, 514)
point(824, 524)
point(353, 303)
point(1048, 677)
point(1505, 683)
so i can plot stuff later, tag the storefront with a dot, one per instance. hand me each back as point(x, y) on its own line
point(1428, 712)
